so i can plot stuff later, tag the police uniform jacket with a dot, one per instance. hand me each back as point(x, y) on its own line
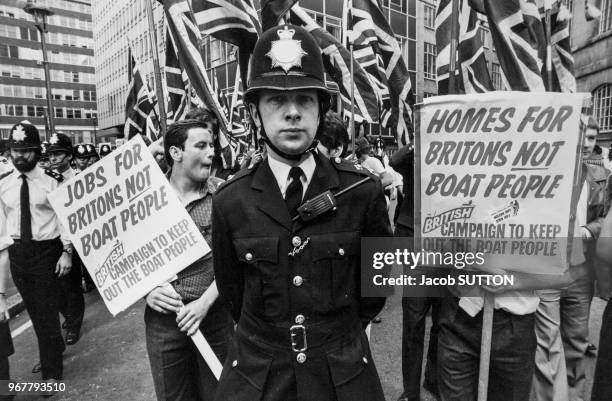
point(274, 273)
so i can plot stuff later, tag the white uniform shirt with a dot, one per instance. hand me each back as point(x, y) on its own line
point(45, 225)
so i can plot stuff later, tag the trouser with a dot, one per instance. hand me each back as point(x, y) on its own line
point(602, 383)
point(414, 312)
point(513, 345)
point(87, 277)
point(179, 371)
point(72, 304)
point(6, 349)
point(398, 206)
point(562, 329)
point(33, 270)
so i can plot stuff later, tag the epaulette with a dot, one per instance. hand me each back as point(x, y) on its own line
point(343, 165)
point(236, 177)
point(57, 176)
point(6, 174)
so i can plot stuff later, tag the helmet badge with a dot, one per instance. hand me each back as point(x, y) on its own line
point(54, 139)
point(286, 52)
point(18, 133)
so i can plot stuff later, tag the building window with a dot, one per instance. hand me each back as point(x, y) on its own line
point(59, 112)
point(40, 111)
point(334, 26)
point(605, 22)
point(9, 51)
point(429, 56)
point(602, 107)
point(31, 111)
point(496, 77)
point(429, 15)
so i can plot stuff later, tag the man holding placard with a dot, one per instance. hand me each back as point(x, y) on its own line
point(490, 165)
point(179, 372)
point(562, 318)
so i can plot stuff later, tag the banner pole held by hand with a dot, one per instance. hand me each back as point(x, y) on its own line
point(205, 350)
point(485, 345)
point(207, 353)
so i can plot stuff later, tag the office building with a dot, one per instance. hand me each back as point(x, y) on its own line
point(591, 43)
point(70, 54)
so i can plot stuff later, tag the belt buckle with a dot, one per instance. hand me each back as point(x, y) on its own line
point(296, 331)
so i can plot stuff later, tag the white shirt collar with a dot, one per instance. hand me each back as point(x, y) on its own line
point(281, 172)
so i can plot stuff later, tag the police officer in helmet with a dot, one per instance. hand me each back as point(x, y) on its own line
point(292, 280)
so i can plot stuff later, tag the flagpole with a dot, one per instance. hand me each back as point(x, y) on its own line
point(188, 95)
point(547, 23)
point(352, 95)
point(489, 300)
point(158, 81)
point(452, 87)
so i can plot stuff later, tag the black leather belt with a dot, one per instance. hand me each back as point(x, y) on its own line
point(299, 337)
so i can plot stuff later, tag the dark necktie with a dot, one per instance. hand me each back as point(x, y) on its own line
point(293, 196)
point(26, 218)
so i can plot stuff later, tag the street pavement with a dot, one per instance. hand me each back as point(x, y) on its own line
point(110, 361)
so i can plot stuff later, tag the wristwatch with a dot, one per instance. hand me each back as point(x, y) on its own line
point(68, 250)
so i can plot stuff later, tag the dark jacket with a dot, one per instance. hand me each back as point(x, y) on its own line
point(598, 205)
point(402, 161)
point(270, 271)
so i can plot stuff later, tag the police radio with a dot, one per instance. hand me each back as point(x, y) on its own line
point(323, 203)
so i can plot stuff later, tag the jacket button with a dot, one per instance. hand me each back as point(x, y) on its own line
point(296, 241)
point(338, 160)
point(299, 319)
point(235, 363)
point(297, 281)
point(341, 252)
point(301, 357)
point(365, 359)
point(249, 256)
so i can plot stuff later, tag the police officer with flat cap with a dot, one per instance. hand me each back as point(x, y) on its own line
point(72, 304)
point(291, 276)
point(41, 252)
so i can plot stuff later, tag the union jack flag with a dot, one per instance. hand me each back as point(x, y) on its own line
point(517, 33)
point(141, 118)
point(232, 21)
point(337, 61)
point(379, 53)
point(177, 83)
point(473, 73)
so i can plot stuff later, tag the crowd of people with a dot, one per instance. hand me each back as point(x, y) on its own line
point(279, 299)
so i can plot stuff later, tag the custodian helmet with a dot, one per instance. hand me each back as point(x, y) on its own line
point(60, 142)
point(24, 136)
point(287, 57)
